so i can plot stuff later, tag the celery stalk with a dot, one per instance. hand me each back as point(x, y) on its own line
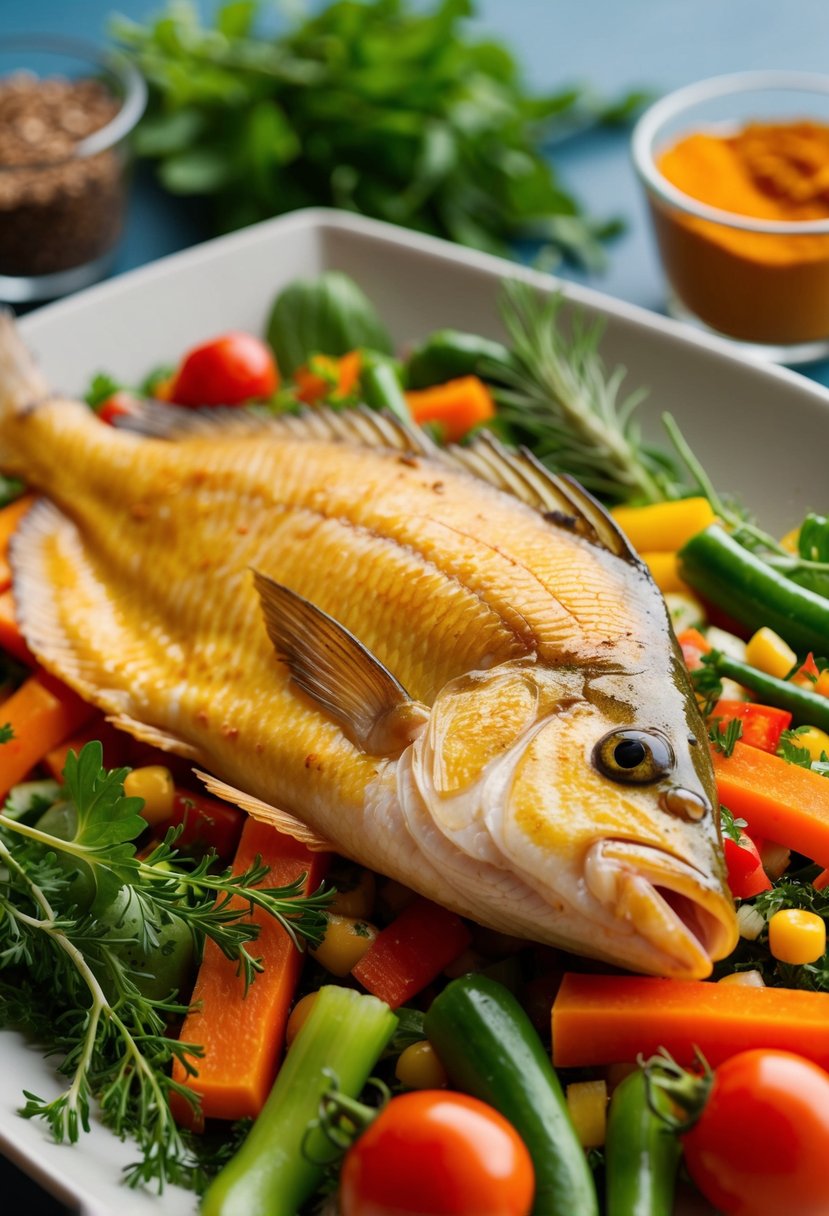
point(277, 1169)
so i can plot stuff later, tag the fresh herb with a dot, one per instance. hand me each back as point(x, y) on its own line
point(731, 827)
point(789, 748)
point(62, 971)
point(101, 388)
point(378, 107)
point(6, 733)
point(706, 681)
point(11, 488)
point(724, 736)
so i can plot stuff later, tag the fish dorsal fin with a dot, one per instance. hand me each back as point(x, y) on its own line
point(339, 673)
point(558, 497)
point(362, 426)
point(265, 813)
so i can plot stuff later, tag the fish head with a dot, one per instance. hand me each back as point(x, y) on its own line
point(595, 790)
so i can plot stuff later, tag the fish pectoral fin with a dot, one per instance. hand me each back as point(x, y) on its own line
point(289, 825)
point(155, 737)
point(337, 671)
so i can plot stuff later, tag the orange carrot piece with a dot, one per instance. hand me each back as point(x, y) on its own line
point(779, 801)
point(11, 639)
point(42, 713)
point(10, 517)
point(822, 881)
point(326, 376)
point(456, 406)
point(607, 1019)
point(243, 1035)
point(114, 742)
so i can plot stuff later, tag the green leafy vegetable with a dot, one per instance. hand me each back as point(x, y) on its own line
point(65, 975)
point(328, 315)
point(379, 107)
point(725, 736)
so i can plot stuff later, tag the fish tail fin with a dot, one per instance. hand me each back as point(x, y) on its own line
point(22, 385)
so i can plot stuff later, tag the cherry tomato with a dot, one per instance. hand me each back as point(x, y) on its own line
point(433, 1153)
point(228, 370)
point(117, 404)
point(761, 1145)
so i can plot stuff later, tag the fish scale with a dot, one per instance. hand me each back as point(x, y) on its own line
point(453, 663)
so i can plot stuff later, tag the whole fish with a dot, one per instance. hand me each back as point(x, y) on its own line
point(447, 665)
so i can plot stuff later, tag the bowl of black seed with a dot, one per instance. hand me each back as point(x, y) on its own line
point(66, 114)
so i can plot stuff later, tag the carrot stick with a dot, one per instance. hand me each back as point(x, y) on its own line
point(10, 517)
point(607, 1019)
point(114, 742)
point(11, 639)
point(779, 801)
point(243, 1035)
point(41, 713)
point(411, 952)
point(456, 406)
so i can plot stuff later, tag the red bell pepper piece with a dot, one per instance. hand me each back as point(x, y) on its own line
point(746, 876)
point(762, 724)
point(411, 952)
point(206, 823)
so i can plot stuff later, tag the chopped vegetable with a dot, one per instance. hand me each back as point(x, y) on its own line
point(153, 784)
point(347, 939)
point(797, 936)
point(455, 407)
point(664, 526)
point(437, 1154)
point(41, 713)
point(419, 1067)
point(282, 1160)
point(381, 384)
point(779, 801)
point(11, 639)
point(753, 592)
point(329, 315)
point(228, 370)
point(327, 378)
point(490, 1050)
point(746, 876)
point(599, 1019)
point(241, 1031)
point(448, 354)
point(641, 1153)
point(755, 1136)
point(762, 725)
point(10, 517)
point(767, 651)
point(664, 570)
point(806, 707)
point(115, 745)
point(816, 742)
point(412, 951)
point(587, 1106)
point(206, 823)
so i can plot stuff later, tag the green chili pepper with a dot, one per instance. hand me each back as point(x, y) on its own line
point(807, 708)
point(448, 354)
point(641, 1154)
point(381, 387)
point(751, 591)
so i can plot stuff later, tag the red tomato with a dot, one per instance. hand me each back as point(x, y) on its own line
point(761, 1145)
point(434, 1153)
point(116, 405)
point(229, 370)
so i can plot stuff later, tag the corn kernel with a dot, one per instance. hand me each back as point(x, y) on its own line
point(664, 570)
point(767, 651)
point(743, 979)
point(587, 1103)
point(814, 740)
point(346, 941)
point(153, 783)
point(664, 526)
point(299, 1016)
point(797, 936)
point(356, 900)
point(419, 1067)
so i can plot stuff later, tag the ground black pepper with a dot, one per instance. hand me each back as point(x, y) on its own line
point(59, 209)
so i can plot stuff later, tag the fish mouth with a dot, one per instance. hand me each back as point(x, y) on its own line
point(676, 908)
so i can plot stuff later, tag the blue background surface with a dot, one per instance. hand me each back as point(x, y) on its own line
point(614, 45)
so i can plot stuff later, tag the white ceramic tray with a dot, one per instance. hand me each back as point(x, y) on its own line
point(761, 432)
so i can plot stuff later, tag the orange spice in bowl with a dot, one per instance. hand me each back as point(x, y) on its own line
point(741, 208)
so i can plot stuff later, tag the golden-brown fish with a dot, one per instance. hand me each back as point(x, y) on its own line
point(470, 682)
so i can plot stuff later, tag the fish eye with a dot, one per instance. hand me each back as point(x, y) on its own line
point(633, 757)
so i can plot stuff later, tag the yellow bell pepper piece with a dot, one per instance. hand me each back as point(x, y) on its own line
point(664, 526)
point(743, 979)
point(814, 740)
point(664, 569)
point(797, 936)
point(767, 651)
point(587, 1104)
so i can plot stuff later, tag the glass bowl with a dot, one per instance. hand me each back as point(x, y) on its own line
point(761, 281)
point(66, 112)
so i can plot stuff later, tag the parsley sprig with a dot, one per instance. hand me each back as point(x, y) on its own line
point(63, 975)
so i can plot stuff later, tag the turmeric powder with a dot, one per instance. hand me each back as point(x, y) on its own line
point(758, 286)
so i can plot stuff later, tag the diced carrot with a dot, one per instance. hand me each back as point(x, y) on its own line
point(326, 376)
point(206, 823)
point(412, 951)
point(114, 742)
point(41, 713)
point(779, 801)
point(606, 1019)
point(456, 406)
point(11, 639)
point(762, 724)
point(243, 1035)
point(10, 517)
